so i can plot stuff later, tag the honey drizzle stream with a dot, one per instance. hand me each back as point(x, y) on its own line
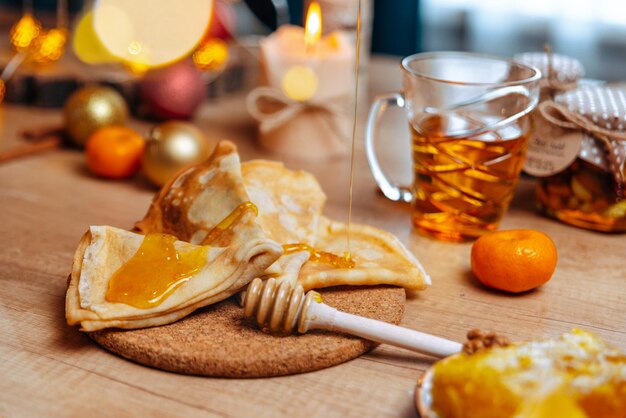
point(356, 105)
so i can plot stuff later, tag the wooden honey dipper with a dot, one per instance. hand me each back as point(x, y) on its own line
point(282, 308)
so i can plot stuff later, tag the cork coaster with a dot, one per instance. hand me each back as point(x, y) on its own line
point(218, 341)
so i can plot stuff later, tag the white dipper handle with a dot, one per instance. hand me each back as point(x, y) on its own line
point(321, 316)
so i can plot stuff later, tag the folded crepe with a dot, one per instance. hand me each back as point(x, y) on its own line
point(104, 250)
point(290, 207)
point(232, 217)
point(378, 258)
point(205, 204)
point(208, 210)
point(289, 202)
point(290, 211)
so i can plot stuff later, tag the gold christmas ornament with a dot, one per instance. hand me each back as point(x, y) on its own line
point(91, 108)
point(171, 146)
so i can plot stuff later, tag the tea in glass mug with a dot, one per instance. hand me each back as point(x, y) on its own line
point(469, 126)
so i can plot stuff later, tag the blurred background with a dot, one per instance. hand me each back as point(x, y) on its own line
point(593, 31)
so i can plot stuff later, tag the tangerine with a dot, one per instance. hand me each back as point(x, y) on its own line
point(515, 260)
point(114, 152)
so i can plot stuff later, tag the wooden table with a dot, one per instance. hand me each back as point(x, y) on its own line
point(50, 369)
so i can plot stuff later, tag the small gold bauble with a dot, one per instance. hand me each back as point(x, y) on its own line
point(171, 146)
point(91, 108)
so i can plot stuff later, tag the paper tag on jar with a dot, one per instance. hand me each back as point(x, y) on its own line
point(551, 149)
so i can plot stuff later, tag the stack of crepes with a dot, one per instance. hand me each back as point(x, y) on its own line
point(241, 221)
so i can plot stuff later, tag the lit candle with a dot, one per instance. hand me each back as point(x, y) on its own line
point(313, 26)
point(306, 66)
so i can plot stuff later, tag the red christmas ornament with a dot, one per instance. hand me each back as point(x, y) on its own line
point(172, 92)
point(223, 21)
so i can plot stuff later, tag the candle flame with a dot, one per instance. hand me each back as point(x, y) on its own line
point(313, 25)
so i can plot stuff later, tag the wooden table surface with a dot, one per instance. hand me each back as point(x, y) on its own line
point(50, 369)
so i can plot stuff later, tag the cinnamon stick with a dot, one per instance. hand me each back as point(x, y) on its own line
point(30, 149)
point(39, 133)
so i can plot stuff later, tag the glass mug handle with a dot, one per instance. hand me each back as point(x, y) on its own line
point(391, 190)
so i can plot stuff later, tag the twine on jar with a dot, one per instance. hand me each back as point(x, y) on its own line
point(561, 116)
point(551, 82)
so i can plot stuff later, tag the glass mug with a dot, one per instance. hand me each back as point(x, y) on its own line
point(469, 126)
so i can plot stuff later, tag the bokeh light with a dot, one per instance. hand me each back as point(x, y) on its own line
point(87, 46)
point(211, 55)
point(49, 46)
point(24, 31)
point(138, 31)
point(299, 83)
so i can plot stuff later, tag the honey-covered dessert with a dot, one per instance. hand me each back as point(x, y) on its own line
point(211, 230)
point(577, 371)
point(162, 269)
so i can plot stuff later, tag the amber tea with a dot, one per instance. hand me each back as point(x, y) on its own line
point(469, 124)
point(464, 185)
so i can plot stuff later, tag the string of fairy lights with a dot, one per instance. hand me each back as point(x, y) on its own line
point(41, 46)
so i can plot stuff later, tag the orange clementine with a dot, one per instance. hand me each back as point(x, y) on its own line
point(114, 152)
point(515, 260)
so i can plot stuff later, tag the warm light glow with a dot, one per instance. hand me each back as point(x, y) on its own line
point(134, 48)
point(313, 25)
point(24, 31)
point(136, 68)
point(299, 83)
point(211, 55)
point(87, 45)
point(141, 32)
point(49, 46)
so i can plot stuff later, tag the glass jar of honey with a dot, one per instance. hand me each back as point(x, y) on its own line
point(585, 187)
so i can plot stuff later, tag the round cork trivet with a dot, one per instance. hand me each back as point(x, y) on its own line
point(219, 341)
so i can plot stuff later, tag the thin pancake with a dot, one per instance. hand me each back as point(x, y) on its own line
point(379, 258)
point(289, 202)
point(103, 250)
point(290, 206)
point(193, 203)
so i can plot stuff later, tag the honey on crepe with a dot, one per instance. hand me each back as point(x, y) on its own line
point(229, 221)
point(290, 211)
point(245, 212)
point(103, 251)
point(320, 256)
point(205, 204)
point(162, 269)
point(377, 257)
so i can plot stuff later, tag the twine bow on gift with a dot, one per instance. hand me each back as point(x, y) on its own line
point(562, 116)
point(272, 109)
